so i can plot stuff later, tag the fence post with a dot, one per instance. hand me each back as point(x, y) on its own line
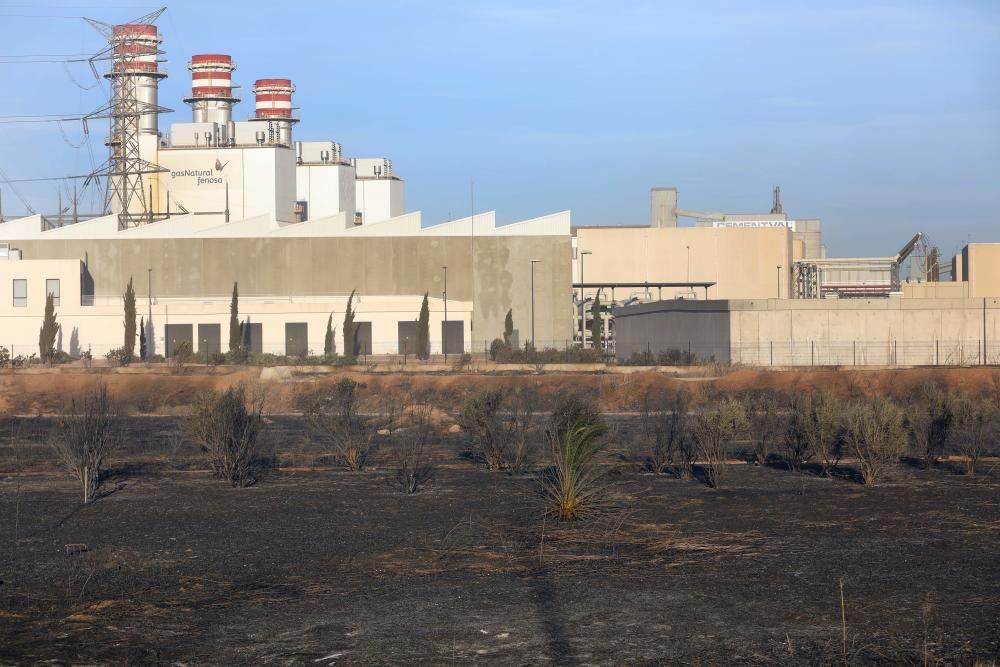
point(772, 352)
point(854, 344)
point(812, 353)
point(937, 353)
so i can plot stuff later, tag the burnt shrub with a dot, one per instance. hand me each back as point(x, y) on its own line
point(574, 411)
point(334, 417)
point(929, 419)
point(976, 417)
point(228, 428)
point(84, 437)
point(410, 456)
point(716, 430)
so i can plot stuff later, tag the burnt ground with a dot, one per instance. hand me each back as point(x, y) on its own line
point(319, 566)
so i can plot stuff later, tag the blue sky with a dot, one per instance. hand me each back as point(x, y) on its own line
point(880, 118)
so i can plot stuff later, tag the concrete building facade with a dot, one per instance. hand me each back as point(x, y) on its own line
point(796, 332)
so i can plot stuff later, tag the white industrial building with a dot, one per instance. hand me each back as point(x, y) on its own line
point(297, 224)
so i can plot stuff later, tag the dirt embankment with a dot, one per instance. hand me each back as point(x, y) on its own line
point(156, 392)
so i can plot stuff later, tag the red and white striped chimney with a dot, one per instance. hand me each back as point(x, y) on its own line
point(211, 96)
point(274, 106)
point(134, 54)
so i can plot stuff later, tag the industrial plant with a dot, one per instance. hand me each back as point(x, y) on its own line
point(199, 208)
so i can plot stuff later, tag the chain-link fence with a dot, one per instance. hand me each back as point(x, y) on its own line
point(826, 353)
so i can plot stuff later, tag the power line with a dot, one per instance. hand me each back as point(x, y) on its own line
point(46, 55)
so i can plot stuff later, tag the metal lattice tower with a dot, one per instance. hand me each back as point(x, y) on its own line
point(133, 50)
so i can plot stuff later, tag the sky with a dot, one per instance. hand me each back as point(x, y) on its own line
point(880, 118)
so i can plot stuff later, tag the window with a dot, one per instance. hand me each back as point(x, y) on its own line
point(20, 292)
point(52, 287)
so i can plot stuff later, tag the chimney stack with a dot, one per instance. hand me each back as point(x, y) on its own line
point(274, 107)
point(212, 96)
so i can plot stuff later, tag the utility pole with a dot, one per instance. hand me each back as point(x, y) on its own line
point(779, 281)
point(533, 262)
point(149, 294)
point(444, 327)
point(583, 316)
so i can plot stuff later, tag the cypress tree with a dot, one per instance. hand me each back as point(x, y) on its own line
point(47, 333)
point(329, 344)
point(424, 331)
point(595, 322)
point(142, 339)
point(129, 343)
point(508, 328)
point(349, 327)
point(235, 336)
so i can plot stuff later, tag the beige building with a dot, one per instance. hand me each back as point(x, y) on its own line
point(743, 263)
point(291, 274)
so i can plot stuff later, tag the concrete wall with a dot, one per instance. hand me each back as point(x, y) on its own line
point(663, 207)
point(942, 290)
point(384, 266)
point(741, 261)
point(983, 269)
point(818, 332)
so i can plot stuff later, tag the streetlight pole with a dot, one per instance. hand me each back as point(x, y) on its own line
point(533, 262)
point(779, 281)
point(444, 327)
point(688, 263)
point(583, 316)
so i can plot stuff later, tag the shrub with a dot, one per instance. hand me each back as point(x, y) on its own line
point(334, 417)
point(498, 349)
point(715, 430)
point(665, 430)
point(85, 436)
point(929, 420)
point(875, 432)
point(574, 412)
point(217, 358)
point(118, 357)
point(59, 357)
point(576, 487)
point(228, 427)
point(4, 357)
point(812, 430)
point(413, 471)
point(975, 429)
point(824, 425)
point(521, 405)
point(481, 418)
point(765, 425)
point(182, 354)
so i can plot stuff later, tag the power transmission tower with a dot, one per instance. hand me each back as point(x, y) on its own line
point(133, 52)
